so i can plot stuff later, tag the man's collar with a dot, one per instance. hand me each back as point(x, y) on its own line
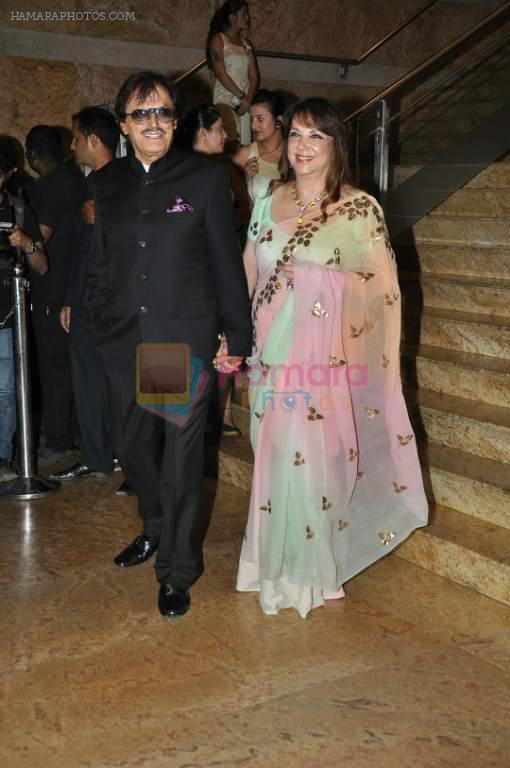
point(172, 157)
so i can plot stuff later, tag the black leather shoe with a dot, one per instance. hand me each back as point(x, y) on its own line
point(137, 552)
point(75, 472)
point(173, 602)
point(125, 489)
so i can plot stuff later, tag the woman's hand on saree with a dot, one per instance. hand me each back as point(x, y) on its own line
point(288, 271)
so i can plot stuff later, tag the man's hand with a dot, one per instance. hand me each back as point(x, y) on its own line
point(18, 239)
point(223, 362)
point(65, 318)
point(88, 212)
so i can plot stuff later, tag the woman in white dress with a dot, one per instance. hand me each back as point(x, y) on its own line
point(259, 160)
point(230, 56)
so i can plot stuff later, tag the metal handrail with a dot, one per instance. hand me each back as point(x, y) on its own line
point(191, 71)
point(496, 45)
point(487, 51)
point(322, 59)
point(392, 34)
point(428, 62)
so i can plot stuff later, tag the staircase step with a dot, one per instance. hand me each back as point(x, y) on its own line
point(447, 125)
point(418, 144)
point(416, 158)
point(453, 422)
point(466, 483)
point(495, 176)
point(471, 260)
point(461, 331)
point(455, 229)
point(422, 158)
point(473, 203)
point(487, 296)
point(470, 552)
point(474, 377)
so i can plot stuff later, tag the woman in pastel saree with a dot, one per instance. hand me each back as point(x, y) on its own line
point(337, 481)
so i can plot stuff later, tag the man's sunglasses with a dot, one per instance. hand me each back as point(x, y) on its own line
point(163, 114)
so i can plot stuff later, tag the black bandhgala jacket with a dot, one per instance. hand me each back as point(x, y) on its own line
point(165, 264)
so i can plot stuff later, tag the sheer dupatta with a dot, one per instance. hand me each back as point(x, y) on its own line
point(337, 480)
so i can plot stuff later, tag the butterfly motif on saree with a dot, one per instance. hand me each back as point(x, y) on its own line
point(318, 311)
point(386, 536)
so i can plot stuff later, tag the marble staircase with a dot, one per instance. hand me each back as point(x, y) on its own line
point(455, 281)
point(454, 110)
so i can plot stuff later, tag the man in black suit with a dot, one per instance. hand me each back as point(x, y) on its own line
point(95, 138)
point(165, 266)
point(56, 201)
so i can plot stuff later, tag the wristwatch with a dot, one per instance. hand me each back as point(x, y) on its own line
point(35, 247)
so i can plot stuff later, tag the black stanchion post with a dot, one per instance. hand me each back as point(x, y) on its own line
point(28, 485)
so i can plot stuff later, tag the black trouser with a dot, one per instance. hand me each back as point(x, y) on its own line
point(54, 370)
point(164, 464)
point(90, 395)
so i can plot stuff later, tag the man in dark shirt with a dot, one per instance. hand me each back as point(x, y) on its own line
point(95, 138)
point(165, 266)
point(23, 234)
point(56, 200)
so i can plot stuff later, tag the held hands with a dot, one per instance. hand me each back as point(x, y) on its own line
point(223, 362)
point(65, 318)
point(18, 239)
point(251, 167)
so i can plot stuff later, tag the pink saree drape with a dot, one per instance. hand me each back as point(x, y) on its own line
point(337, 481)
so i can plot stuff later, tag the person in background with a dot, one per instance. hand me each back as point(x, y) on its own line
point(230, 56)
point(95, 137)
point(259, 160)
point(20, 183)
point(202, 131)
point(26, 236)
point(337, 481)
point(56, 201)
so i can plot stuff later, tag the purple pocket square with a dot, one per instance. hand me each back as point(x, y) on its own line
point(178, 205)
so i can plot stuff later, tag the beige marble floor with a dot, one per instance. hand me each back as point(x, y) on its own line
point(409, 671)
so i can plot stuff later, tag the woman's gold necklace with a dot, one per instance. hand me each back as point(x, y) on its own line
point(303, 207)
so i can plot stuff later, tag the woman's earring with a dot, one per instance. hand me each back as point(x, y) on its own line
point(278, 124)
